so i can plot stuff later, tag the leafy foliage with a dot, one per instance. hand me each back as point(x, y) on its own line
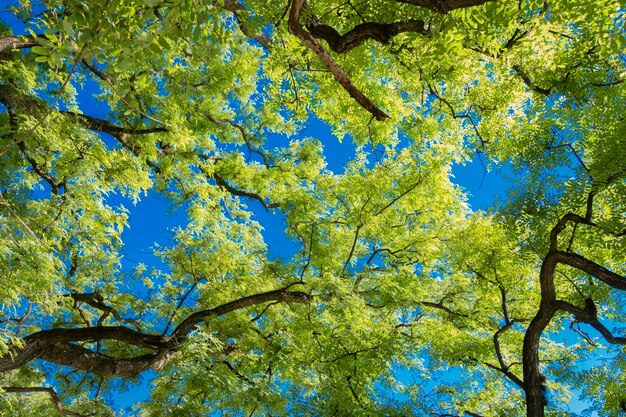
point(399, 299)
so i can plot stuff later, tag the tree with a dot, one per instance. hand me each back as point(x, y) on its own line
point(395, 274)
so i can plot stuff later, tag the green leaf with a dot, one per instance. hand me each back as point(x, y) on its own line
point(39, 50)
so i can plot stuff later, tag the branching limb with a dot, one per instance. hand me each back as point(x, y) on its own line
point(562, 223)
point(529, 83)
point(61, 346)
point(456, 115)
point(236, 9)
point(504, 368)
point(379, 32)
point(48, 390)
point(96, 300)
point(588, 315)
point(533, 380)
point(446, 6)
point(246, 136)
point(298, 30)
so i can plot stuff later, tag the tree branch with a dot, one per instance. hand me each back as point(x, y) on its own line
point(11, 43)
point(296, 28)
point(598, 271)
point(529, 83)
point(48, 390)
point(534, 382)
point(59, 345)
point(445, 6)
point(236, 8)
point(589, 315)
point(219, 180)
point(379, 32)
point(95, 300)
point(119, 132)
point(504, 368)
point(440, 306)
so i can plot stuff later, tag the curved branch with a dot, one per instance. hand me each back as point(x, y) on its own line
point(58, 345)
point(296, 28)
point(549, 305)
point(95, 300)
point(504, 368)
point(282, 295)
point(379, 32)
point(562, 223)
point(588, 315)
point(234, 191)
point(598, 271)
point(103, 365)
point(529, 83)
point(48, 390)
point(439, 6)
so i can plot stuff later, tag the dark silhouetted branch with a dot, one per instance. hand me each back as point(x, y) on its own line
point(47, 390)
point(298, 30)
point(379, 32)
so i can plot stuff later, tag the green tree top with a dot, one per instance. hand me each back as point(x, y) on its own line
point(400, 299)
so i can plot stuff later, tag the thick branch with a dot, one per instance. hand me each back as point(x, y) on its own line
point(598, 271)
point(589, 316)
point(380, 32)
point(59, 345)
point(445, 6)
point(119, 132)
point(283, 295)
point(296, 28)
point(533, 380)
point(103, 365)
point(10, 43)
point(563, 221)
point(48, 390)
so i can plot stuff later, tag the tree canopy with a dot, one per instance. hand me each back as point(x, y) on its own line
point(400, 299)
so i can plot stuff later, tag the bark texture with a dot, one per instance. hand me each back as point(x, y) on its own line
point(379, 32)
point(445, 6)
point(63, 346)
point(296, 28)
point(534, 382)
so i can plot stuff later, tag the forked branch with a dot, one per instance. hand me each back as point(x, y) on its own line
point(48, 390)
point(65, 346)
point(296, 28)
